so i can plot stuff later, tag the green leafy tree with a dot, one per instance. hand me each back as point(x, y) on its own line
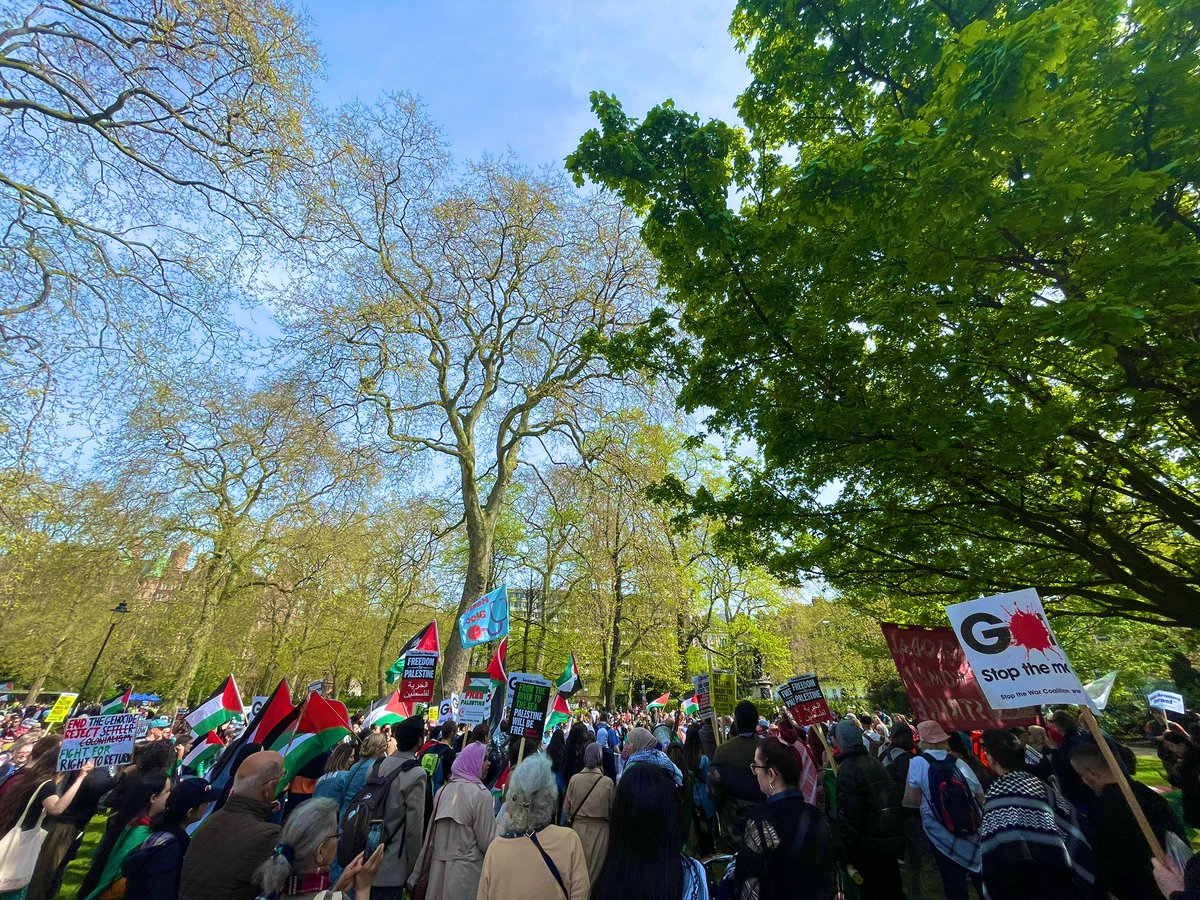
point(955, 304)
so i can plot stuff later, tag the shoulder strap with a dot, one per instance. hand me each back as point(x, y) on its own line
point(550, 864)
point(571, 817)
point(29, 805)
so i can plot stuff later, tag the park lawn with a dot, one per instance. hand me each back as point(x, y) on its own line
point(83, 859)
point(1150, 772)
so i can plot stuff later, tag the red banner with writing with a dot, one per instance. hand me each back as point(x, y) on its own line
point(940, 683)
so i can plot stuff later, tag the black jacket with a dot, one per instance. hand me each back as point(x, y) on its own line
point(152, 870)
point(786, 844)
point(867, 822)
point(733, 788)
point(1122, 855)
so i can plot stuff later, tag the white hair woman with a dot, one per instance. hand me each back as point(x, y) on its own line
point(533, 859)
point(299, 867)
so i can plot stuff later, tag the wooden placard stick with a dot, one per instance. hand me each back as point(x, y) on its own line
point(1093, 726)
point(825, 743)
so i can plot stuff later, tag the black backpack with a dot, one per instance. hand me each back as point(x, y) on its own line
point(368, 806)
point(951, 798)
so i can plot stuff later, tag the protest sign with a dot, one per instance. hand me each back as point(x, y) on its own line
point(1165, 700)
point(256, 705)
point(723, 692)
point(416, 683)
point(940, 683)
point(475, 701)
point(1013, 652)
point(803, 698)
point(60, 709)
point(108, 740)
point(529, 699)
point(703, 696)
point(448, 708)
point(486, 619)
point(315, 687)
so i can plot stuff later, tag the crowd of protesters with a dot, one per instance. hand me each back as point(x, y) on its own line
point(618, 807)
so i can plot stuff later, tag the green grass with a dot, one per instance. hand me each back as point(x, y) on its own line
point(83, 860)
point(1150, 772)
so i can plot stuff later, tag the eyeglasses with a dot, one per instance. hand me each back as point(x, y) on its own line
point(757, 766)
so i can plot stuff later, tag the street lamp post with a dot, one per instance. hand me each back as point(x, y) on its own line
point(119, 610)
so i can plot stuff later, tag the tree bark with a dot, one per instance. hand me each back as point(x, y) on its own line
point(216, 590)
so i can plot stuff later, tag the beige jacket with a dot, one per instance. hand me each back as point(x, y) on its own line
point(514, 869)
point(587, 806)
point(405, 803)
point(460, 833)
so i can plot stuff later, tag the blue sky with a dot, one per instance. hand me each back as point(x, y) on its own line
point(500, 76)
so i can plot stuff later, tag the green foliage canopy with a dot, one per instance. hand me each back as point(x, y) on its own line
point(956, 301)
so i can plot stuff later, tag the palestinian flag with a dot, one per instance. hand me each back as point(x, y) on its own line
point(203, 752)
point(116, 705)
point(278, 705)
point(499, 678)
point(224, 705)
point(426, 640)
point(322, 725)
point(388, 713)
point(569, 682)
point(501, 783)
point(559, 712)
point(661, 702)
point(690, 706)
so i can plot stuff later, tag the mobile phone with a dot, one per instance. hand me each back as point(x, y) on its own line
point(374, 836)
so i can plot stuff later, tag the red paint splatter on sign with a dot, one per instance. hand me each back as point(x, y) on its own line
point(1029, 630)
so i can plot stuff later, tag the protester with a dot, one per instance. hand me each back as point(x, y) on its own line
point(35, 779)
point(460, 831)
point(298, 867)
point(786, 841)
point(587, 808)
point(124, 801)
point(607, 738)
point(731, 782)
point(1030, 840)
point(1122, 854)
point(149, 797)
point(532, 859)
point(62, 833)
point(153, 870)
point(702, 836)
point(577, 743)
point(556, 752)
point(19, 756)
point(950, 798)
point(897, 757)
point(1158, 724)
point(335, 779)
point(644, 860)
point(642, 747)
point(404, 810)
point(1181, 759)
point(868, 829)
point(229, 846)
point(374, 748)
point(1069, 783)
point(437, 757)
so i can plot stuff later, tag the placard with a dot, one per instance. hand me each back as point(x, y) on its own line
point(416, 681)
point(724, 693)
point(449, 708)
point(804, 700)
point(703, 696)
point(61, 708)
point(108, 740)
point(475, 702)
point(1166, 700)
point(528, 702)
point(940, 682)
point(1014, 653)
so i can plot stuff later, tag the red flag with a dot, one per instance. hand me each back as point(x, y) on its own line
point(496, 666)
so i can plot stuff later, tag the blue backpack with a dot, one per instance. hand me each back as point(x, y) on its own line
point(951, 798)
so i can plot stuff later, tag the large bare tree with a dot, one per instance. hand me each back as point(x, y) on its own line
point(141, 143)
point(455, 310)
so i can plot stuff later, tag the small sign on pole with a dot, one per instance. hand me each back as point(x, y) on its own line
point(529, 700)
point(61, 708)
point(476, 701)
point(107, 740)
point(724, 693)
point(804, 700)
point(703, 696)
point(1166, 700)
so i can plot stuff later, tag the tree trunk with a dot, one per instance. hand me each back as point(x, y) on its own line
point(479, 560)
point(48, 666)
point(216, 588)
point(614, 663)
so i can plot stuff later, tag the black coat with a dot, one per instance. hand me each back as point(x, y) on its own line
point(152, 870)
point(868, 821)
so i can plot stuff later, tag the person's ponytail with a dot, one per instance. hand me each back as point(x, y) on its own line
point(272, 875)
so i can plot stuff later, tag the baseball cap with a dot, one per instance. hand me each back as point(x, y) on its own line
point(190, 793)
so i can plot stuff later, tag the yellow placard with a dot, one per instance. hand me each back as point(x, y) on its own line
point(62, 706)
point(724, 694)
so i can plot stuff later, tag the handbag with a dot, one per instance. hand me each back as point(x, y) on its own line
point(19, 849)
